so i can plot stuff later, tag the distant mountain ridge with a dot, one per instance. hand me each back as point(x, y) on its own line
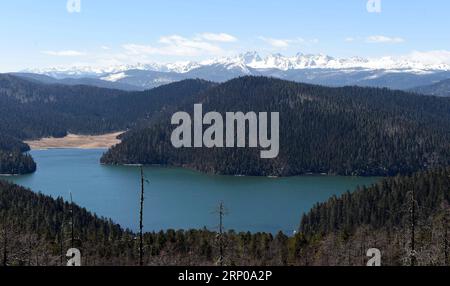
point(320, 69)
point(255, 61)
point(42, 78)
point(441, 88)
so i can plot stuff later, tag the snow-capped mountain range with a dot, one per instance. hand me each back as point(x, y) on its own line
point(391, 72)
point(255, 61)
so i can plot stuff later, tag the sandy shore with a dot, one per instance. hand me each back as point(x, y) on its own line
point(76, 141)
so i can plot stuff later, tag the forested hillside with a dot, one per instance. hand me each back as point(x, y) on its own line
point(408, 218)
point(12, 159)
point(16, 163)
point(345, 131)
point(441, 88)
point(35, 230)
point(31, 110)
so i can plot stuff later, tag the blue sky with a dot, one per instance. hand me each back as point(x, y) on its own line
point(105, 32)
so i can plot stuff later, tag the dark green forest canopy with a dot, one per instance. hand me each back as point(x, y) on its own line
point(345, 131)
point(385, 205)
point(31, 110)
point(12, 159)
point(336, 232)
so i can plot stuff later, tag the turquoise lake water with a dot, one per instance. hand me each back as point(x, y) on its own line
point(178, 198)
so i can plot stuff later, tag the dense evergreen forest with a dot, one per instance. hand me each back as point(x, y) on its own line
point(408, 218)
point(345, 131)
point(12, 159)
point(36, 230)
point(31, 110)
point(16, 163)
point(441, 88)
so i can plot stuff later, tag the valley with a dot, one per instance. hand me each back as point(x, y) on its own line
point(351, 136)
point(226, 134)
point(178, 198)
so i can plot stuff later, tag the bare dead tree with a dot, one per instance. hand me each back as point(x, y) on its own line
point(141, 219)
point(221, 211)
point(445, 240)
point(412, 227)
point(72, 221)
point(141, 225)
point(5, 245)
point(445, 215)
point(13, 250)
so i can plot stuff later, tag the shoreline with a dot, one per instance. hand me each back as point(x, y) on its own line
point(76, 141)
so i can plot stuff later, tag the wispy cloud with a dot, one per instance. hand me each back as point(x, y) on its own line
point(285, 43)
point(175, 45)
point(65, 53)
point(384, 39)
point(276, 43)
point(220, 37)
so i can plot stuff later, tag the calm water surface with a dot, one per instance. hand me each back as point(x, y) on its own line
point(178, 198)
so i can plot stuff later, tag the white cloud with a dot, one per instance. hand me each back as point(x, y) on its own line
point(65, 53)
point(175, 45)
point(384, 39)
point(349, 39)
point(285, 43)
point(276, 43)
point(220, 37)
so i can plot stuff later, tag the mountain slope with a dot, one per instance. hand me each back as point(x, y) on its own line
point(40, 78)
point(29, 110)
point(441, 88)
point(12, 159)
point(343, 228)
point(345, 131)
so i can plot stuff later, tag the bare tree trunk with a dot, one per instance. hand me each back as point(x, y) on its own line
point(445, 222)
point(413, 230)
point(5, 246)
point(221, 211)
point(141, 225)
point(72, 224)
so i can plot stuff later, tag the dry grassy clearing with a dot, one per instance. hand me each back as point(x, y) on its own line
point(76, 141)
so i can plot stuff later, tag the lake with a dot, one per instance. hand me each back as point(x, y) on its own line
point(178, 198)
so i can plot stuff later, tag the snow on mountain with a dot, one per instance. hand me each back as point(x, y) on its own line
point(115, 77)
point(252, 60)
point(181, 67)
